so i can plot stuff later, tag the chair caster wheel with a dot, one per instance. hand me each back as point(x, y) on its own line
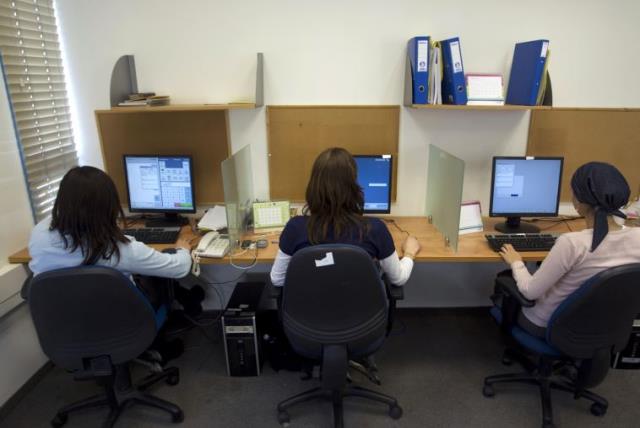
point(59, 420)
point(177, 418)
point(173, 379)
point(598, 409)
point(488, 391)
point(283, 418)
point(395, 412)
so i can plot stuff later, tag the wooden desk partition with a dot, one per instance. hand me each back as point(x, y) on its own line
point(297, 134)
point(584, 135)
point(201, 134)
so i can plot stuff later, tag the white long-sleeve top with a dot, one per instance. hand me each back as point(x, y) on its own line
point(48, 252)
point(397, 270)
point(569, 264)
point(377, 242)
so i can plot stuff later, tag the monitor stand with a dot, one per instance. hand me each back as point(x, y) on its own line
point(513, 225)
point(168, 220)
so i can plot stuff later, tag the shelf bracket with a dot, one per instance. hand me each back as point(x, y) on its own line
point(123, 80)
point(408, 83)
point(260, 80)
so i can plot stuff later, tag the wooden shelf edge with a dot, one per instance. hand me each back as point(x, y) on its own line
point(312, 106)
point(179, 107)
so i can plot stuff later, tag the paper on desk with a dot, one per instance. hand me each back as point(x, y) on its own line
point(214, 219)
point(470, 217)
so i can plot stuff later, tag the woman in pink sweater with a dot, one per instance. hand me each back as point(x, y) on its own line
point(599, 191)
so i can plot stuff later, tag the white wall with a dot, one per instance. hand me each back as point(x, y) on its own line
point(20, 353)
point(349, 52)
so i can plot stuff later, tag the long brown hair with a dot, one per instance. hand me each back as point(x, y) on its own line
point(86, 212)
point(335, 201)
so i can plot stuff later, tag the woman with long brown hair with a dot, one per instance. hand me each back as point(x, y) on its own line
point(83, 230)
point(334, 214)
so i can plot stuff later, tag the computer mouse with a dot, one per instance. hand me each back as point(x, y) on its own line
point(170, 250)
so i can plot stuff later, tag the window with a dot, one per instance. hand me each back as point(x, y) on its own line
point(34, 77)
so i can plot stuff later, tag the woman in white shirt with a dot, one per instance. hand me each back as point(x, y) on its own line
point(334, 214)
point(599, 191)
point(83, 230)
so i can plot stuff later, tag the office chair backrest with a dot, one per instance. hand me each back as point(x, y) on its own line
point(599, 315)
point(90, 311)
point(333, 294)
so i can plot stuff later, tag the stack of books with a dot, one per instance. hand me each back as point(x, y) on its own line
point(144, 99)
point(158, 100)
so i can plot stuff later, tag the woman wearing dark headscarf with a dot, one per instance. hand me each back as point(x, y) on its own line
point(599, 191)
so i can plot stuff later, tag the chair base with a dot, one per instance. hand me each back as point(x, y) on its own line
point(120, 393)
point(336, 397)
point(544, 376)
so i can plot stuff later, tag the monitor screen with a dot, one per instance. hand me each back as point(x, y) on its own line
point(525, 186)
point(160, 184)
point(374, 176)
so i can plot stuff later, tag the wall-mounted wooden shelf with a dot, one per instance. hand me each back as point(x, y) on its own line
point(124, 82)
point(179, 107)
point(467, 107)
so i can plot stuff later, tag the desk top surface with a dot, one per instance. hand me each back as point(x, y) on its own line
point(472, 247)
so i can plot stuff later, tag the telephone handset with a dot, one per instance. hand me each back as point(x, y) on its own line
point(212, 245)
point(206, 240)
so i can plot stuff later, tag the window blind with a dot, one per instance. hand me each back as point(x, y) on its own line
point(34, 77)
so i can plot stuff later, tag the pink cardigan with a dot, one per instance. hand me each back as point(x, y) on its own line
point(569, 264)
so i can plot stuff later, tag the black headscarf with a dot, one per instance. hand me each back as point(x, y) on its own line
point(604, 188)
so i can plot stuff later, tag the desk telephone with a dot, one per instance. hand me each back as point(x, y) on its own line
point(212, 245)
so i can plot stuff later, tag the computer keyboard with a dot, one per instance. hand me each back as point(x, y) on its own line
point(522, 241)
point(154, 235)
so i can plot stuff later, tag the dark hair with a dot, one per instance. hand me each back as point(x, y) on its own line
point(335, 201)
point(86, 213)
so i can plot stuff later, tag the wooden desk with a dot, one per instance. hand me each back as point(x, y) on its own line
point(471, 248)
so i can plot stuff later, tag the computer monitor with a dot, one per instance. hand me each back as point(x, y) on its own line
point(374, 176)
point(524, 187)
point(160, 184)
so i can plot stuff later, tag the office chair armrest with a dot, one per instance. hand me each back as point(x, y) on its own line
point(274, 292)
point(508, 286)
point(26, 287)
point(394, 292)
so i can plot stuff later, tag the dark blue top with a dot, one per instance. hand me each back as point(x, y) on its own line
point(377, 241)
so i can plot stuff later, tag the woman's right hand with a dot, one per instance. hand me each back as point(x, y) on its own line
point(183, 243)
point(410, 247)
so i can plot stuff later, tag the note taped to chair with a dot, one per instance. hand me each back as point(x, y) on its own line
point(326, 261)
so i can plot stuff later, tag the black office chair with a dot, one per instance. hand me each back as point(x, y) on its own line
point(584, 330)
point(335, 309)
point(93, 321)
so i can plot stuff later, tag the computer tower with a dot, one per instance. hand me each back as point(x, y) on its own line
point(629, 357)
point(240, 330)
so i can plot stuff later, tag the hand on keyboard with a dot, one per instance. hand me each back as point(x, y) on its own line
point(509, 254)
